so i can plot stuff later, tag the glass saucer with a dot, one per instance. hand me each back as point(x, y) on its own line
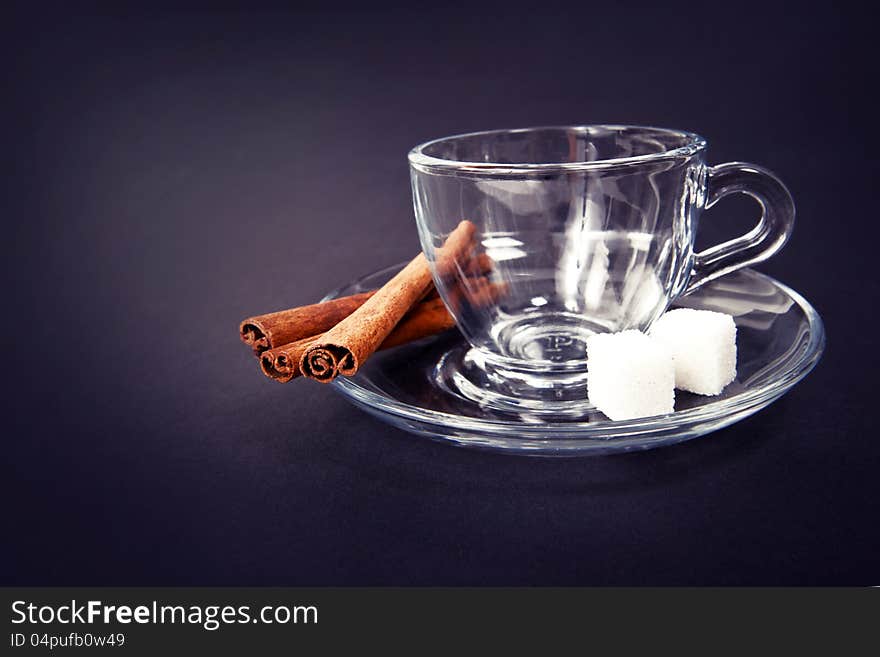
point(780, 338)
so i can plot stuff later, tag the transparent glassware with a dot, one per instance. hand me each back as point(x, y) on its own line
point(780, 338)
point(588, 229)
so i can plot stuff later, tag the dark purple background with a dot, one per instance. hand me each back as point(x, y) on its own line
point(168, 173)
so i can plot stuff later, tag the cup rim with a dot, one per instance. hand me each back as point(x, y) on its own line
point(692, 143)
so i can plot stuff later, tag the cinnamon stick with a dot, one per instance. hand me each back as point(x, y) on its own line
point(271, 330)
point(427, 318)
point(344, 347)
point(480, 265)
point(476, 292)
point(285, 326)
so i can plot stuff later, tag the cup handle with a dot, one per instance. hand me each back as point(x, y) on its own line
point(766, 238)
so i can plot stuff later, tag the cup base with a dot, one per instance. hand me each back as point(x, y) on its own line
point(538, 366)
point(506, 385)
point(544, 341)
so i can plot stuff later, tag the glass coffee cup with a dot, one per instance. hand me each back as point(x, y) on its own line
point(588, 229)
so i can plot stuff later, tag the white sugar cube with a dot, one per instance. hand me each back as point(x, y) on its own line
point(629, 375)
point(703, 346)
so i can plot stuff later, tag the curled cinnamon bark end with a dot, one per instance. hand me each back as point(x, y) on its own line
point(278, 367)
point(352, 341)
point(282, 363)
point(324, 362)
point(254, 337)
